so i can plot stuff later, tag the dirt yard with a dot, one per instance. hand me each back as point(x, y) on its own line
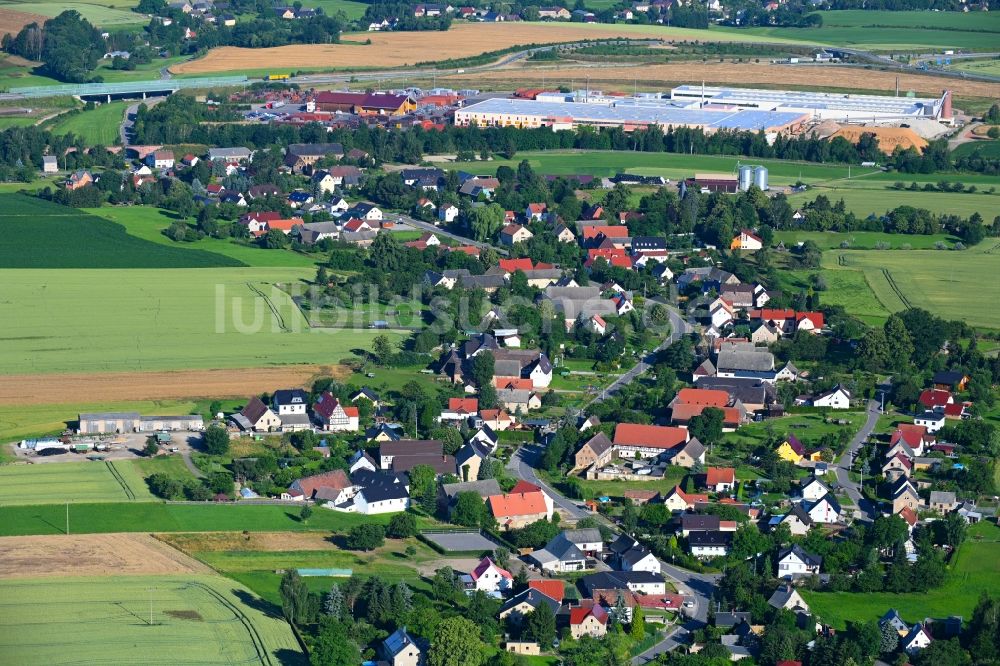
point(397, 49)
point(746, 74)
point(176, 385)
point(91, 555)
point(12, 20)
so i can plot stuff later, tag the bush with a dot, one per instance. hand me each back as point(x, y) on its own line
point(216, 440)
point(366, 537)
point(402, 526)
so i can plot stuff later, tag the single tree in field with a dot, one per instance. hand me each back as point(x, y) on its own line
point(306, 513)
point(382, 349)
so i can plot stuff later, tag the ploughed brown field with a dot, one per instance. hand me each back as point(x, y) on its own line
point(12, 20)
point(397, 49)
point(743, 74)
point(173, 385)
point(92, 555)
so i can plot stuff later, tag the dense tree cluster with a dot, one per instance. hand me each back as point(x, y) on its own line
point(68, 45)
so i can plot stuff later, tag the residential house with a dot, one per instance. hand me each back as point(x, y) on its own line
point(935, 398)
point(380, 492)
point(915, 640)
point(489, 578)
point(897, 466)
point(469, 460)
point(677, 500)
point(836, 398)
point(334, 416)
point(515, 510)
point(720, 479)
point(257, 417)
point(794, 562)
point(950, 380)
point(554, 588)
point(798, 520)
point(290, 405)
point(448, 213)
point(647, 441)
point(161, 159)
point(50, 164)
point(710, 544)
point(302, 156)
point(813, 489)
point(904, 495)
point(497, 420)
point(554, 13)
point(825, 510)
point(560, 555)
point(791, 450)
point(589, 620)
point(893, 619)
point(459, 410)
point(941, 501)
point(514, 233)
point(746, 240)
point(639, 558)
point(333, 487)
point(598, 451)
point(931, 420)
point(79, 179)
point(485, 437)
point(787, 597)
point(520, 605)
point(400, 649)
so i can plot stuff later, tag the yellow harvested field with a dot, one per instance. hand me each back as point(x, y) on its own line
point(745, 74)
point(231, 542)
point(92, 555)
point(397, 49)
point(171, 385)
point(12, 20)
point(888, 137)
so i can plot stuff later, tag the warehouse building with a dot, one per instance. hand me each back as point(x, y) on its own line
point(122, 422)
point(818, 105)
point(560, 115)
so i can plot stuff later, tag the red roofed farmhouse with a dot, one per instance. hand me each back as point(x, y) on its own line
point(647, 440)
point(334, 416)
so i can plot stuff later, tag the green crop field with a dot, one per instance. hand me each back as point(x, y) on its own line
point(668, 165)
point(44, 483)
point(987, 149)
point(107, 14)
point(862, 240)
point(161, 319)
point(104, 517)
point(41, 234)
point(96, 127)
point(148, 224)
point(874, 198)
point(888, 30)
point(989, 67)
point(196, 619)
point(951, 284)
point(976, 569)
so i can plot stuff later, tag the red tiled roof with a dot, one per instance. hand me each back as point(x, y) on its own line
point(608, 230)
point(467, 249)
point(909, 515)
point(689, 498)
point(815, 317)
point(494, 415)
point(513, 383)
point(511, 265)
point(954, 409)
point(772, 314)
point(335, 479)
point(579, 614)
point(463, 405)
point(517, 504)
point(525, 487)
point(554, 589)
point(657, 437)
point(931, 398)
point(910, 433)
point(685, 412)
point(717, 475)
point(537, 208)
point(709, 397)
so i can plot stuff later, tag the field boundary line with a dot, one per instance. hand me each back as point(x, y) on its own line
point(270, 305)
point(129, 494)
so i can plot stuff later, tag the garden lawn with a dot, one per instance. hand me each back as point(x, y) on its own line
point(160, 517)
point(74, 239)
point(975, 569)
point(196, 619)
point(148, 223)
point(97, 127)
point(89, 481)
point(161, 319)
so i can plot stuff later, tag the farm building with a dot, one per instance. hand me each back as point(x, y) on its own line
point(120, 422)
point(817, 105)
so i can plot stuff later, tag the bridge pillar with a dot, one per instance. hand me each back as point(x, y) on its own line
point(144, 95)
point(109, 99)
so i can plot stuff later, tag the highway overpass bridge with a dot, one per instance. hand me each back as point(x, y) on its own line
point(105, 92)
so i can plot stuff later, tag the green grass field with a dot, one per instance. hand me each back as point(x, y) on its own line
point(950, 284)
point(45, 483)
point(196, 619)
point(96, 127)
point(976, 569)
point(668, 165)
point(888, 30)
point(18, 423)
point(862, 240)
point(352, 10)
point(103, 517)
point(989, 67)
point(147, 223)
point(988, 149)
point(873, 197)
point(73, 239)
point(107, 14)
point(161, 319)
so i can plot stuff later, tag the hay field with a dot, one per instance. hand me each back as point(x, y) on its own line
point(87, 481)
point(94, 320)
point(196, 619)
point(398, 49)
point(12, 20)
point(747, 74)
point(183, 384)
point(92, 555)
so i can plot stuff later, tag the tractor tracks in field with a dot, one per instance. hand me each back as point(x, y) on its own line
point(129, 494)
point(895, 288)
point(258, 643)
point(271, 306)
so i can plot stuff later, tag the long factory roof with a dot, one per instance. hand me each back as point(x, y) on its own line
point(626, 113)
point(807, 99)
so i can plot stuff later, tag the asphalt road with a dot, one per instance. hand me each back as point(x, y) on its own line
point(521, 468)
point(678, 327)
point(852, 488)
point(427, 226)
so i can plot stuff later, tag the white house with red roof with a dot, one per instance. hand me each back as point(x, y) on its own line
point(597, 324)
point(459, 409)
point(334, 416)
point(489, 578)
point(333, 487)
point(647, 440)
point(588, 620)
point(526, 503)
point(535, 211)
point(746, 240)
